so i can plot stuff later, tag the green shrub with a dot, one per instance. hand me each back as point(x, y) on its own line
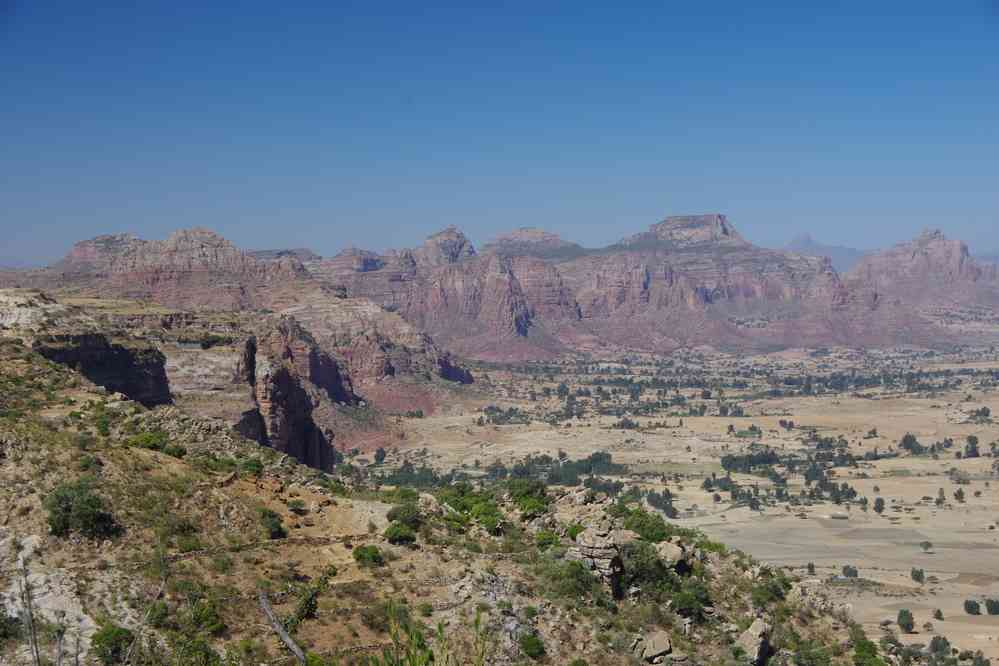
point(408, 514)
point(10, 627)
point(768, 591)
point(252, 467)
point(175, 450)
point(545, 539)
point(905, 620)
point(532, 646)
point(400, 534)
point(992, 606)
point(692, 598)
point(271, 522)
point(155, 440)
point(369, 556)
point(203, 616)
point(972, 607)
point(110, 644)
point(76, 507)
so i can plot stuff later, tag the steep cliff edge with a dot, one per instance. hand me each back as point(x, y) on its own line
point(192, 269)
point(290, 378)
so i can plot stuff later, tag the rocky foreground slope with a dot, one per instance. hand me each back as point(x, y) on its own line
point(170, 539)
point(685, 282)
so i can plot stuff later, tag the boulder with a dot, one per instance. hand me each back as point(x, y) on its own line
point(755, 641)
point(656, 646)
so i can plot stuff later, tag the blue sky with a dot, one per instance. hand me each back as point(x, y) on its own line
point(331, 124)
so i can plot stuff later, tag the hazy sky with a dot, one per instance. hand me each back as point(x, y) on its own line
point(328, 124)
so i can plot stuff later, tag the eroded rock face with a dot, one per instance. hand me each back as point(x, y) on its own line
point(193, 269)
point(134, 369)
point(688, 280)
point(289, 377)
point(597, 548)
point(533, 242)
point(755, 642)
point(929, 268)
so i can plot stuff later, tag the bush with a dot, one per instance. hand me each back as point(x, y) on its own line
point(110, 644)
point(408, 514)
point(369, 556)
point(400, 534)
point(155, 440)
point(76, 507)
point(692, 598)
point(905, 621)
point(532, 646)
point(252, 466)
point(918, 575)
point(271, 522)
point(545, 539)
point(992, 606)
point(850, 571)
point(972, 607)
point(10, 627)
point(175, 450)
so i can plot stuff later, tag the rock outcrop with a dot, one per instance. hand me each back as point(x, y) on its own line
point(930, 268)
point(290, 378)
point(131, 368)
point(192, 269)
point(755, 642)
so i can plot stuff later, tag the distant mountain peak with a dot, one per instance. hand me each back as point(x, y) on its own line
point(685, 231)
point(532, 241)
point(447, 246)
point(843, 258)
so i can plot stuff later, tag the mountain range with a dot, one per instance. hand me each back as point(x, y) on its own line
point(686, 281)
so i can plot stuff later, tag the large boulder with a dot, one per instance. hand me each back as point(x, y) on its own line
point(755, 641)
point(597, 548)
point(656, 646)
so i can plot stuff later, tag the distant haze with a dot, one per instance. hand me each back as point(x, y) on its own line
point(327, 125)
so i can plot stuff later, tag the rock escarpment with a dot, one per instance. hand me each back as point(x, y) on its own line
point(133, 369)
point(192, 269)
point(290, 378)
point(930, 268)
point(687, 281)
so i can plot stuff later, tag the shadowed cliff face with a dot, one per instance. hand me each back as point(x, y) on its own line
point(136, 372)
point(289, 377)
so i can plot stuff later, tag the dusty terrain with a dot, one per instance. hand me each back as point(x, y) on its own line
point(962, 562)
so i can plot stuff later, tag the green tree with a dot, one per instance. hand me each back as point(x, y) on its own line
point(110, 644)
point(76, 507)
point(905, 621)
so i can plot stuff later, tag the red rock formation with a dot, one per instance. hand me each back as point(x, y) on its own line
point(929, 268)
point(290, 378)
point(192, 269)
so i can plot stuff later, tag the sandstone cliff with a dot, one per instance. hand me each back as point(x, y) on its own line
point(192, 269)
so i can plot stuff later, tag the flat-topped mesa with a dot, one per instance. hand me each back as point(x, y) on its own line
point(683, 231)
point(449, 246)
point(193, 268)
point(303, 254)
point(532, 242)
point(97, 255)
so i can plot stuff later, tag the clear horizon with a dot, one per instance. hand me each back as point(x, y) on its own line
point(337, 126)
